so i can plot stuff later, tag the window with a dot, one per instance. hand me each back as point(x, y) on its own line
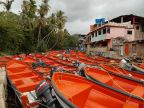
point(129, 32)
point(137, 27)
point(95, 34)
point(108, 30)
point(99, 32)
point(104, 31)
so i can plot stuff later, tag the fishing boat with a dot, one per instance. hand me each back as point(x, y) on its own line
point(50, 62)
point(138, 68)
point(76, 92)
point(100, 58)
point(141, 65)
point(23, 80)
point(122, 73)
point(43, 70)
point(74, 58)
point(4, 60)
point(66, 65)
point(29, 60)
point(119, 84)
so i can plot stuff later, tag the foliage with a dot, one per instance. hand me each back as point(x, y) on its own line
point(33, 30)
point(11, 33)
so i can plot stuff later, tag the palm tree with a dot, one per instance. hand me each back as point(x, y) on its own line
point(28, 19)
point(58, 20)
point(29, 8)
point(7, 4)
point(43, 11)
point(44, 8)
point(61, 19)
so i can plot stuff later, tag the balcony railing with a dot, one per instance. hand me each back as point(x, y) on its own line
point(98, 38)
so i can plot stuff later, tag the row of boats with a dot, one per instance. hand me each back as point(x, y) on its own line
point(74, 80)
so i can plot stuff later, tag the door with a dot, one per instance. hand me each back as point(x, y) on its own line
point(126, 48)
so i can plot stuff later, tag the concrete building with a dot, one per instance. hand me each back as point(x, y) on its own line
point(123, 35)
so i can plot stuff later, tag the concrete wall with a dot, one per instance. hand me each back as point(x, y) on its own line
point(139, 34)
point(140, 49)
point(121, 32)
point(116, 32)
point(2, 87)
point(99, 49)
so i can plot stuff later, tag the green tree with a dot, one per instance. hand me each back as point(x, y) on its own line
point(11, 33)
point(33, 29)
point(28, 21)
point(42, 22)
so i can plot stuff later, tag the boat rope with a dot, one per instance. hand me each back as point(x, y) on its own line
point(119, 85)
point(117, 69)
point(123, 70)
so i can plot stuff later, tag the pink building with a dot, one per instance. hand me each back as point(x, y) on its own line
point(123, 34)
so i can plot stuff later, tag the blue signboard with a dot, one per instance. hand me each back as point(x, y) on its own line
point(100, 21)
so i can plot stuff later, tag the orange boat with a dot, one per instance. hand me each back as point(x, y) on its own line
point(140, 65)
point(66, 65)
point(50, 62)
point(119, 84)
point(121, 72)
point(4, 60)
point(90, 59)
point(73, 58)
point(76, 92)
point(139, 68)
point(43, 70)
point(101, 58)
point(65, 62)
point(29, 60)
point(23, 80)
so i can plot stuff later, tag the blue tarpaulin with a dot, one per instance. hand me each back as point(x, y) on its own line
point(100, 21)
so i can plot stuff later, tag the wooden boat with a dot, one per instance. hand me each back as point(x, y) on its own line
point(119, 71)
point(76, 92)
point(119, 84)
point(23, 80)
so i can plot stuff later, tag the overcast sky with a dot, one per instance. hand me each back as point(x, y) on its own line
point(81, 13)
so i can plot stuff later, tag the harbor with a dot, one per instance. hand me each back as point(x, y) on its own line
point(58, 79)
point(71, 54)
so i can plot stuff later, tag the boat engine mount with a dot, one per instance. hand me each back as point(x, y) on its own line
point(43, 92)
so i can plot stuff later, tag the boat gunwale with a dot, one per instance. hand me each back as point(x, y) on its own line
point(90, 78)
point(123, 76)
point(18, 93)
